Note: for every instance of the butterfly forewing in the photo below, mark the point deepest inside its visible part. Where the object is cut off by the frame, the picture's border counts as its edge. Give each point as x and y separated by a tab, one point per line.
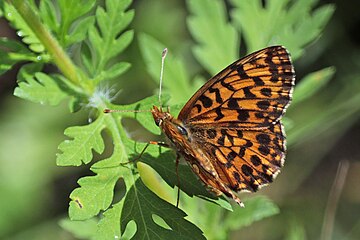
252	91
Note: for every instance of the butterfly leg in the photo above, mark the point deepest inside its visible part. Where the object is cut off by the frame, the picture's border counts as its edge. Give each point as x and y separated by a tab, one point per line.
178	179
138	157
161	144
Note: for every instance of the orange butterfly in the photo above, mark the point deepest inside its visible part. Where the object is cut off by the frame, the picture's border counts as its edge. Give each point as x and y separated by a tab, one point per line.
230	131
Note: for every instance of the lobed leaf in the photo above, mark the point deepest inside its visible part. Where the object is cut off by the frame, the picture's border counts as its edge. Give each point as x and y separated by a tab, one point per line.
109	226
293	24
67	19
80	30
24	31
95	193
40	88
217	40
141	205
47	12
12	52
79	149
106	41
29	70
73	26
80	229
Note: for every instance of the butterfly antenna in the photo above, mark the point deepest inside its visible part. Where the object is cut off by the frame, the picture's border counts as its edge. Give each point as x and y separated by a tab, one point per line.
107	110
163	55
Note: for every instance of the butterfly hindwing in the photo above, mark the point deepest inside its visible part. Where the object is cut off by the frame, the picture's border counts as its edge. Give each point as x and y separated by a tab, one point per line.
244	159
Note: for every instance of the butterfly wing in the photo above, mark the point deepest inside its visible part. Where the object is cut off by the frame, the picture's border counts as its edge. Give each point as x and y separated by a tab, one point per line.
253	91
244	159
235	116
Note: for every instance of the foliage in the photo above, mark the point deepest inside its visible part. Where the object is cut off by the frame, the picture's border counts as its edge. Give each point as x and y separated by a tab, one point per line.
100	34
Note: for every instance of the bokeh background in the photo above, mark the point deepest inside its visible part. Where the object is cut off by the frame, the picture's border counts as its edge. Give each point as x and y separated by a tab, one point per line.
318	190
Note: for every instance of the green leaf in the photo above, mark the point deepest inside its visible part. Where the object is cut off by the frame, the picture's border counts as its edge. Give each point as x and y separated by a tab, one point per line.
79	31
40	88
176	77
293	24
95	193
141	205
72	10
311	84
79	149
114	71
12	52
109	225
217	40
80	229
165	167
71	25
106	41
256	208
28	71
24	31
47	11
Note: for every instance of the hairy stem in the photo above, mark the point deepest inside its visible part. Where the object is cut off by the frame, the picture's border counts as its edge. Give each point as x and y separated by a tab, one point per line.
60	58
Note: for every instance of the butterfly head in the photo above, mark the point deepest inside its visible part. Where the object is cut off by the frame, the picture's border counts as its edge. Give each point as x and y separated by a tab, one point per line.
160	116
173	128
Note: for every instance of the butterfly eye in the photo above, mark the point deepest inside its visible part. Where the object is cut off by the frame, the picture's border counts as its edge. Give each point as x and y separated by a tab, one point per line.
158	121
182	130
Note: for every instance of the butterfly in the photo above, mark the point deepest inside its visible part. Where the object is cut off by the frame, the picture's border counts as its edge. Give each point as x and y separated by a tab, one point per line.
230	132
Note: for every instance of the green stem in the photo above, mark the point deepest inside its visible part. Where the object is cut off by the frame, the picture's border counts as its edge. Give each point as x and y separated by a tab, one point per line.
60	58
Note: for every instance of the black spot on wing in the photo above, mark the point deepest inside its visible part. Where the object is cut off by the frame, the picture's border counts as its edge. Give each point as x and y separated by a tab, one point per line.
206	101
233	104
217	94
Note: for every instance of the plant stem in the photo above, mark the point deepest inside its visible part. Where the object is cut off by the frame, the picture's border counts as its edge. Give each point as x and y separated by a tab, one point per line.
60	58
333	200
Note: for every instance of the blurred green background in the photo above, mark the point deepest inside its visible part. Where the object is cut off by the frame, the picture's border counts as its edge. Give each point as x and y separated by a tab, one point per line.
34	192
